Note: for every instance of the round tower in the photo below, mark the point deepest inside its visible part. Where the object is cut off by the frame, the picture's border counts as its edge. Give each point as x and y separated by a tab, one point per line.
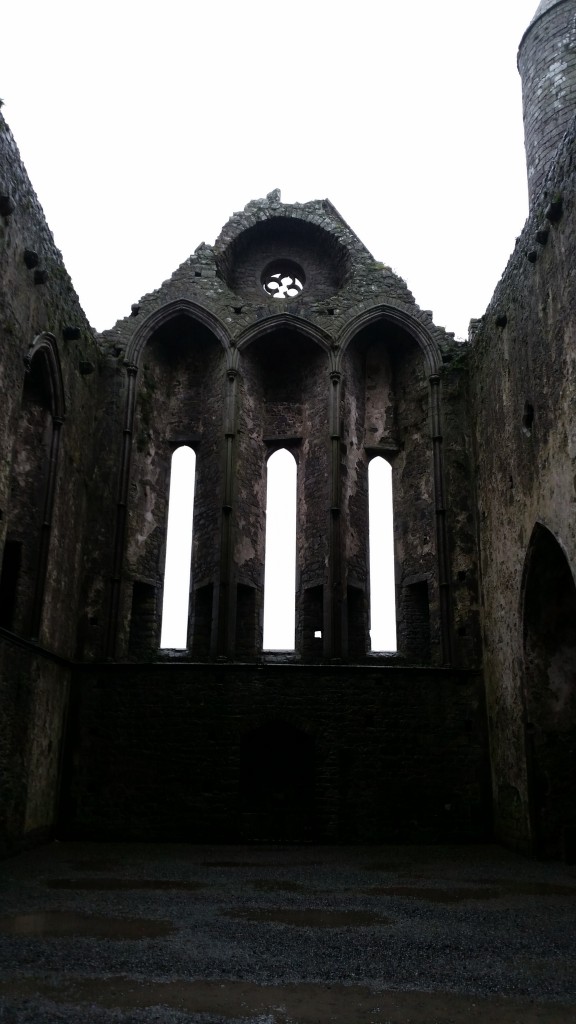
547	66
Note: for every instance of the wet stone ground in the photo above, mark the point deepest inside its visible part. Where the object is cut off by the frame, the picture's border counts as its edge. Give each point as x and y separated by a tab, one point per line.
285	935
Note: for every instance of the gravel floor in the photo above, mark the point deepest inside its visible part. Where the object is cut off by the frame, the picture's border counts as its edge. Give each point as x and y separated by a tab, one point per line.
292	935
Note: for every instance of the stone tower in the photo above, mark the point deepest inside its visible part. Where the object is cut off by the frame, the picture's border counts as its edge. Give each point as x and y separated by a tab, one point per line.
547	66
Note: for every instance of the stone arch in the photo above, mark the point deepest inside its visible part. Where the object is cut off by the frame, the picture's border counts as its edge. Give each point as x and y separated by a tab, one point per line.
394	315
162	316
548	603
161	412
44	347
32	489
283	401
389	362
285	321
316	244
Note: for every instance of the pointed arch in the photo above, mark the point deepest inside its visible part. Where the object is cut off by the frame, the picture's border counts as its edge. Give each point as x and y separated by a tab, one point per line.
162	316
414	335
157	326
44	347
395	315
32	489
285	321
548	602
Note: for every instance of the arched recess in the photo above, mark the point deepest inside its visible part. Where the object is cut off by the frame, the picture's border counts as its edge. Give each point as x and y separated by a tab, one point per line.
176	397
32	488
285	322
399	318
282	403
165	315
549	636
391	407
277	784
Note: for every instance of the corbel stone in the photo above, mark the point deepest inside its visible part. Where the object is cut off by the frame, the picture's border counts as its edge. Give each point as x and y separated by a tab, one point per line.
31	258
7	205
554	210
70	333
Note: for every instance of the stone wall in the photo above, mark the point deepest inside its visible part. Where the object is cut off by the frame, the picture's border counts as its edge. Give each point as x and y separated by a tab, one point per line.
34	695
48	373
272	753
523	379
39	302
346	370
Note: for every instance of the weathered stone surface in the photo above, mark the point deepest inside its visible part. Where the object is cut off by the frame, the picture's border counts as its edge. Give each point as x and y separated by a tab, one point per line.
287	333
547	65
522	389
374	771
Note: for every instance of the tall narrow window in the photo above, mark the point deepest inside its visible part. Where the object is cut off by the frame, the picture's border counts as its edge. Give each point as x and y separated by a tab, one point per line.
280	565
381	524
178	550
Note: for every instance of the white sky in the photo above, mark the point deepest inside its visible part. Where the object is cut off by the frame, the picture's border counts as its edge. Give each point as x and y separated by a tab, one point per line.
145	126
280	547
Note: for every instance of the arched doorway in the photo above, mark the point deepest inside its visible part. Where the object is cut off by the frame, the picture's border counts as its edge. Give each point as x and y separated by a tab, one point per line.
549	624
277	785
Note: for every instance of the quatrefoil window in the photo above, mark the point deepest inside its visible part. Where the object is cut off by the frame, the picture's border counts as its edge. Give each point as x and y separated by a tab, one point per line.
283	280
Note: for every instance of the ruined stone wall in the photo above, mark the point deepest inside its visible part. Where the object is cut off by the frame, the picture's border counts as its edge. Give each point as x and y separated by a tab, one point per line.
180	395
461	509
37	296
283	397
212	361
101	508
46	448
523	378
284	392
34	693
160	752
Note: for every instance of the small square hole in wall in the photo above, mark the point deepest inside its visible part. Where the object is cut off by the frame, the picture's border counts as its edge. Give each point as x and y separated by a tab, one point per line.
317	634
197	273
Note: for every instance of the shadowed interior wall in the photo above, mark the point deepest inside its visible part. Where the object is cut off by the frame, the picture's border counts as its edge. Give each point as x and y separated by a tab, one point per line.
176	746
179	402
283	403
550	694
386	410
220	740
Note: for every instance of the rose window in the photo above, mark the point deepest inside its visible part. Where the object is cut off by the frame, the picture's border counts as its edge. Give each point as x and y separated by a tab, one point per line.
283	280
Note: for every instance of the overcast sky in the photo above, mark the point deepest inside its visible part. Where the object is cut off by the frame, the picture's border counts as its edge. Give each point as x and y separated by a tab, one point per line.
145	126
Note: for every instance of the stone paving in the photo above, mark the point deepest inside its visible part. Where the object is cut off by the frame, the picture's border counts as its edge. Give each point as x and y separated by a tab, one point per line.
285	935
